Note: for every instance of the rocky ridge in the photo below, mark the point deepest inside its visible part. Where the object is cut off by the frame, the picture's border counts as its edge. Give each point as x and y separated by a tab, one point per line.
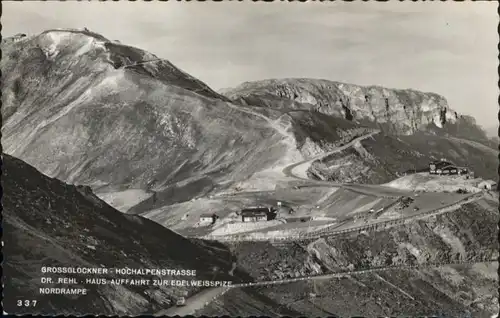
400	111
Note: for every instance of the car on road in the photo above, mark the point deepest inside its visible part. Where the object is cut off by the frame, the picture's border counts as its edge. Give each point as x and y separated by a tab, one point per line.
180	302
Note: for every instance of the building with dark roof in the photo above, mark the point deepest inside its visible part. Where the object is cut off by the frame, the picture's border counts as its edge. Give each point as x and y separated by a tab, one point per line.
257	214
436	166
446	168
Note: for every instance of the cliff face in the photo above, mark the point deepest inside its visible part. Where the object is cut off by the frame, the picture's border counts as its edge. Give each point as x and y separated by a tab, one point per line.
396	110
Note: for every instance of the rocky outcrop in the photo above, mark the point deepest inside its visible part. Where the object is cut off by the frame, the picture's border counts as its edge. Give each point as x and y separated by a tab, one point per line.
401	111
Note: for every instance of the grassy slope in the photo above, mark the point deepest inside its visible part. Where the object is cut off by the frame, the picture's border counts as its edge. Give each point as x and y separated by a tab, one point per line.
50	223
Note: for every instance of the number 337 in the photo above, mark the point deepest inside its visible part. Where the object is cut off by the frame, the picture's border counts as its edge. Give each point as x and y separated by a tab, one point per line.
26	303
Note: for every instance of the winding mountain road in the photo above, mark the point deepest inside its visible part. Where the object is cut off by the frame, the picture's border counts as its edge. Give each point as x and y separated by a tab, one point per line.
203	298
297	170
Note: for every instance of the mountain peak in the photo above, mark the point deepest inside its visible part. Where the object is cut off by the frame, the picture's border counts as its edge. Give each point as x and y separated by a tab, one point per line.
80	50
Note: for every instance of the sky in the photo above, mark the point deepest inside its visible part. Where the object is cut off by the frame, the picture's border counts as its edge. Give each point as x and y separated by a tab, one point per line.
449	48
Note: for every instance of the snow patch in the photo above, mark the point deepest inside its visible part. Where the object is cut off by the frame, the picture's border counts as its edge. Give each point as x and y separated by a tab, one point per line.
307	98
58	37
113	81
89	44
55	41
425	107
80	42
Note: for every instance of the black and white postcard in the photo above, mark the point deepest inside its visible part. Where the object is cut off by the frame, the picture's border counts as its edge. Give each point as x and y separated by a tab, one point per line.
245	158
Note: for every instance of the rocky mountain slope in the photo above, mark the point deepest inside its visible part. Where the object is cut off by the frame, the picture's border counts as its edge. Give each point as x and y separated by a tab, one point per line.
80	108
467	235
142	133
407	119
49	223
147	137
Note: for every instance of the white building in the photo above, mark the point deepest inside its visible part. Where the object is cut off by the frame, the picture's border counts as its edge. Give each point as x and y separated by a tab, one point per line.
206	218
487	185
